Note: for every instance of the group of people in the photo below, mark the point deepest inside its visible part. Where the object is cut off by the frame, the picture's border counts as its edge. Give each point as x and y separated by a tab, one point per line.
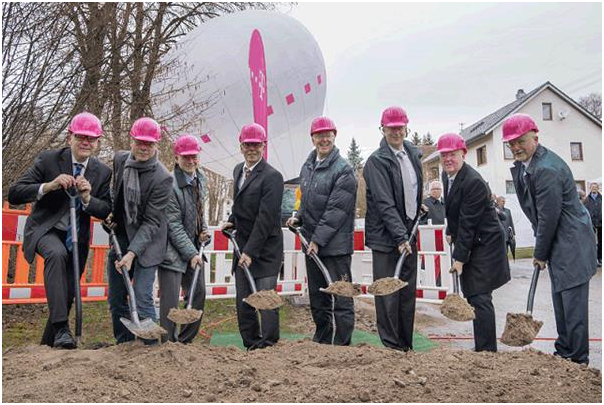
159	221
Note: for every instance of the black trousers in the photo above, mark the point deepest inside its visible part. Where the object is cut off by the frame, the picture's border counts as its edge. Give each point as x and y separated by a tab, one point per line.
396	312
485	334
598	230
321	303
58	279
170	283
570	310
256	334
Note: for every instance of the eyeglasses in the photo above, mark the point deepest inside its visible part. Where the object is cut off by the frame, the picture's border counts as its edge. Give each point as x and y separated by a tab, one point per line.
323	135
149	144
252	145
84	138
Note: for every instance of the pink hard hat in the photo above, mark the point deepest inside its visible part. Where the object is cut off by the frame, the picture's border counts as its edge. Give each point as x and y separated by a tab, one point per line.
450	142
518	125
87	124
322	124
253	133
146	129
394	117
186	145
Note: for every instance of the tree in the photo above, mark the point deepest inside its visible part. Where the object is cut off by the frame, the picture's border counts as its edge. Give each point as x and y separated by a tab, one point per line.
415	139
592	103
354	155
427	139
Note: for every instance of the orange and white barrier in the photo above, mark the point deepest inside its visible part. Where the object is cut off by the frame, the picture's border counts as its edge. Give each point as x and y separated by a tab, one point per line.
22	283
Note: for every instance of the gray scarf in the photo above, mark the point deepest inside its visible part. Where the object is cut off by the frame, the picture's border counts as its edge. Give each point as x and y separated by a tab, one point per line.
132	190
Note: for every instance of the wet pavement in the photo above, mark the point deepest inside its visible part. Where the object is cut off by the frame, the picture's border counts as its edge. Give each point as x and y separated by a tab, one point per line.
512	298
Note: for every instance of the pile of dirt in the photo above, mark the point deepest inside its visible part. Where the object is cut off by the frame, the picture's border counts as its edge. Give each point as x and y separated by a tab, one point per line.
344	288
300	371
265	299
386	285
457	308
520	329
184	316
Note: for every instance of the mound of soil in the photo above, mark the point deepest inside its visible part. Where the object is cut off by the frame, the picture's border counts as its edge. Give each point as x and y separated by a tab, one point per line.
265	299
386	285
457	308
520	329
344	288
300	371
183	316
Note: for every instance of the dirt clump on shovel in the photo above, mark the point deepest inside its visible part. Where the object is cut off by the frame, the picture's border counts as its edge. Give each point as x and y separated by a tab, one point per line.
343	288
265	299
386	285
155	333
183	316
520	329
457	308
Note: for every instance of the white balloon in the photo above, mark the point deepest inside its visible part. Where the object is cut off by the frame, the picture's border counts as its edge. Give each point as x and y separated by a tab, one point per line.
250	66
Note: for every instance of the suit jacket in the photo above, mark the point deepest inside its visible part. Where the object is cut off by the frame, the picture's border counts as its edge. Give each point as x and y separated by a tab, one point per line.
436	211
561	223
148	238
594	207
476	232
257	218
53	205
508	223
386	224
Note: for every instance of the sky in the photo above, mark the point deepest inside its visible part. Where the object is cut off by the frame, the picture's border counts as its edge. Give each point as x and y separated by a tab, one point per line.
447	63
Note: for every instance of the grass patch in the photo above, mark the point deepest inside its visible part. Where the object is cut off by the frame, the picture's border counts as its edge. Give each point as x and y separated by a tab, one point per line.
523	253
23	324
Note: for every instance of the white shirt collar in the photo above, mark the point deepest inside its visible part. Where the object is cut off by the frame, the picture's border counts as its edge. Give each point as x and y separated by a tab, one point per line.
250	168
74	161
397	151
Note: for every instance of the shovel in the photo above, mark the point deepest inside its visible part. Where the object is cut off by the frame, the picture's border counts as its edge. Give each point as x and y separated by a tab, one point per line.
454	306
389	285
266	299
190	315
521	329
73	229
145	329
343	288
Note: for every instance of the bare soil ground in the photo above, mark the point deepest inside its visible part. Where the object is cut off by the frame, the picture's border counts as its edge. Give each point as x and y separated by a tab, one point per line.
300	371
292	371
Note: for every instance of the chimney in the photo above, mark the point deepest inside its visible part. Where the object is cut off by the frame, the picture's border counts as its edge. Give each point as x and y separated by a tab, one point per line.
519	94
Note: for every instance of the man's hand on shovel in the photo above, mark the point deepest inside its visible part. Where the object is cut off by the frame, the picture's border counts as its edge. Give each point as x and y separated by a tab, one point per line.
195	260
405	247
542	264
245	259
126	261
313	247
458	267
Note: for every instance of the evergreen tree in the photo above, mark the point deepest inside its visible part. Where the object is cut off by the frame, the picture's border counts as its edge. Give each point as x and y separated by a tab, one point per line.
354	155
415	139
427	139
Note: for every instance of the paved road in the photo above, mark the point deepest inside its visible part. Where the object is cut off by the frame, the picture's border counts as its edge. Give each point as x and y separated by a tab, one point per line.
512	298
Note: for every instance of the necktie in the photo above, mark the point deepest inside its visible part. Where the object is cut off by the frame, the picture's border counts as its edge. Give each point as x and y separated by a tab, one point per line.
410	196
521	176
68	243
198	206
247	172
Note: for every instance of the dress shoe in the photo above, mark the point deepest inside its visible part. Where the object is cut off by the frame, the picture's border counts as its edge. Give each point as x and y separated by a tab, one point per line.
64	340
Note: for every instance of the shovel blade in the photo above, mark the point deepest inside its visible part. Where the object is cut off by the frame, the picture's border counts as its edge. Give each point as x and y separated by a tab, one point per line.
386	286
146	329
520	329
184	316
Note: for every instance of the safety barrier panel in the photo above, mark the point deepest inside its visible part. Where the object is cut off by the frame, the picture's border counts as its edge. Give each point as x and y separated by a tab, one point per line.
22	283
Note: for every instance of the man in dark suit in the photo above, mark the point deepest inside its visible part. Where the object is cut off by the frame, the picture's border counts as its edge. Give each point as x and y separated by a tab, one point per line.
435	204
547	194
47	230
393	175
506	221
593	203
256	216
141	191
479	251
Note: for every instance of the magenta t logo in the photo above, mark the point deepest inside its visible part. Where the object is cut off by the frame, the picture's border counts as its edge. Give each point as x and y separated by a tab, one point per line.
257	65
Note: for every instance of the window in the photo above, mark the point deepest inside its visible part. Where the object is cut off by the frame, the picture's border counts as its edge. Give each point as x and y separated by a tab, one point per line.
507	152
481	155
580	184
547	111
576	151
509	187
